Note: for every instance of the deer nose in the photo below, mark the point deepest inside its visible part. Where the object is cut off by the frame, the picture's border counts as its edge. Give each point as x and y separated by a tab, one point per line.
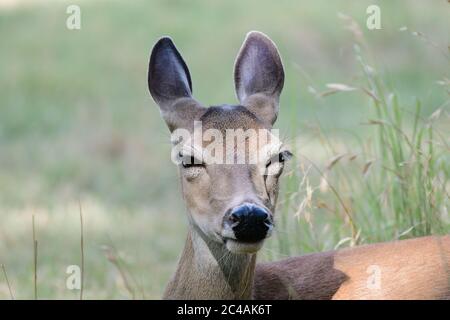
250	223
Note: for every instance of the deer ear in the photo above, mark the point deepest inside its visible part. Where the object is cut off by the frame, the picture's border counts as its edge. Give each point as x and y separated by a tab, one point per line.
170	84
259	76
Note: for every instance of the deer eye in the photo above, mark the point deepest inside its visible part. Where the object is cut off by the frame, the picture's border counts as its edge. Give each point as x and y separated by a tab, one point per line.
280	158
284	156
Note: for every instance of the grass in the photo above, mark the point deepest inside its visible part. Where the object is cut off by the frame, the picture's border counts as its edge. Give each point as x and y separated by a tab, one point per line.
368	125
393	184
35	260
81	252
7	281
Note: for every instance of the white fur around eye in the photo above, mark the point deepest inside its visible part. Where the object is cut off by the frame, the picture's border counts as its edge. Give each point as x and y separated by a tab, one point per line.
274	168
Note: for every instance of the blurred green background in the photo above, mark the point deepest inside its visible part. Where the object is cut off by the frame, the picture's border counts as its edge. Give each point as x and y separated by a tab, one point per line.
77	123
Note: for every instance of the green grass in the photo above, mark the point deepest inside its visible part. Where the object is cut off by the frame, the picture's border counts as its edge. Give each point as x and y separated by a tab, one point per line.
390	184
77	124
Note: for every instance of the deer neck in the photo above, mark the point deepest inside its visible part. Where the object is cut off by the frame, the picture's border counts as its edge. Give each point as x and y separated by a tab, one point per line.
207	270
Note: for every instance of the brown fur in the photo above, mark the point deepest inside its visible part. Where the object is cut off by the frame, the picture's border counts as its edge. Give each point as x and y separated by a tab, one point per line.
208	271
409	269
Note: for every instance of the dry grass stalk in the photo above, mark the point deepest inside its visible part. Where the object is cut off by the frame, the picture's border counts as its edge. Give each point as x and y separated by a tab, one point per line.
82	250
7	281
35	259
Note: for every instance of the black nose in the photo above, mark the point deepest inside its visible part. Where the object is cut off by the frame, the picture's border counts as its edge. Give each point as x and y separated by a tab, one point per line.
250	222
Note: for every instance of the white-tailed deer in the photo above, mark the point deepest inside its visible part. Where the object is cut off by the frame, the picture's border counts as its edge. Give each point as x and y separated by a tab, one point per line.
231	205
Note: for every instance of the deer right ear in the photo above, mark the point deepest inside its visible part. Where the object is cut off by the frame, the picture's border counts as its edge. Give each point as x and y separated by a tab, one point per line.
170	85
259	76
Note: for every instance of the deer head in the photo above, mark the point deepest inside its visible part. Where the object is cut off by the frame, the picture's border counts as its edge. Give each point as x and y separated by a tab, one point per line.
230	199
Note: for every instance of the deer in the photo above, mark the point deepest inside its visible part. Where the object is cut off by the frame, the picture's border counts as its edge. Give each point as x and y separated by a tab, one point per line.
231	207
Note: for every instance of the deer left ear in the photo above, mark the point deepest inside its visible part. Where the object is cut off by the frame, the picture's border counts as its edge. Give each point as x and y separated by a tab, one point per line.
259	76
168	75
170	85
